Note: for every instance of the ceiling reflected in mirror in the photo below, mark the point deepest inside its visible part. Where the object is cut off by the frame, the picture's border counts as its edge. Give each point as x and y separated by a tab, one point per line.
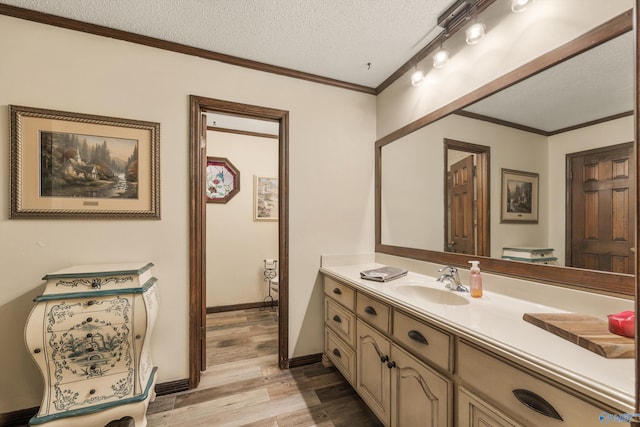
569	94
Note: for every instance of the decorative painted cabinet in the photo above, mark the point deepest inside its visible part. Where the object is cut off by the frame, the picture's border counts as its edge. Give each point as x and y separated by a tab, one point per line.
89	335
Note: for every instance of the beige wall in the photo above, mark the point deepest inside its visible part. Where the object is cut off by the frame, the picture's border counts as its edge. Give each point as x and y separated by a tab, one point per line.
236	244
331	182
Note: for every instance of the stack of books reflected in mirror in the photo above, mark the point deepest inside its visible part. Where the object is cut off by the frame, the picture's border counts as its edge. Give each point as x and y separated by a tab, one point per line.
530	254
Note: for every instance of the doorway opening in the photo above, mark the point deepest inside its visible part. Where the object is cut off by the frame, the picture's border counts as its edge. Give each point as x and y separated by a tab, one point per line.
466	198
197	224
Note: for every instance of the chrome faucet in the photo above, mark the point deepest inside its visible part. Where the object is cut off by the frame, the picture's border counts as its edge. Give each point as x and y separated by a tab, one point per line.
451	279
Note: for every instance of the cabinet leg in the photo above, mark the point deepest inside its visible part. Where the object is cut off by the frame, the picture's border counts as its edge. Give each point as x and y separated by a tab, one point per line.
326	362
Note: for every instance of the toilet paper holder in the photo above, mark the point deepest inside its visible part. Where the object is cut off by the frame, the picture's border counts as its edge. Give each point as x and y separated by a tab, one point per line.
270	272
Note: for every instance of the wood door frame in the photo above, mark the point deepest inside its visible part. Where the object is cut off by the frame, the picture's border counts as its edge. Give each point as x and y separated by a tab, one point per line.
483	178
197	224
568	245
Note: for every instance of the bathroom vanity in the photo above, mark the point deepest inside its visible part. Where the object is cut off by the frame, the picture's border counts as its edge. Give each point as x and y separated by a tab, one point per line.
419	354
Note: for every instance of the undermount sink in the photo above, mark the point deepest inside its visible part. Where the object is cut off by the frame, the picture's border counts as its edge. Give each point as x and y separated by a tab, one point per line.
431	295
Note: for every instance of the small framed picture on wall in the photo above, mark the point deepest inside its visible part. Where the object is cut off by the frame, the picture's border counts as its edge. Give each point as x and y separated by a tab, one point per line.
223	180
265	200
519	201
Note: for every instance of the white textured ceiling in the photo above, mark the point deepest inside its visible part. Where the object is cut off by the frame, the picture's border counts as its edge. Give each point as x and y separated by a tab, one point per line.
330	38
338	38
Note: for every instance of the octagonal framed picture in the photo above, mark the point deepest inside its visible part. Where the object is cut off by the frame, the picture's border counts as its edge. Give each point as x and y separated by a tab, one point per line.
222	180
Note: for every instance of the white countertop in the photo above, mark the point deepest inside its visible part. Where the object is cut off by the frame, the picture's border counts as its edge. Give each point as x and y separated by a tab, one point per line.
495	321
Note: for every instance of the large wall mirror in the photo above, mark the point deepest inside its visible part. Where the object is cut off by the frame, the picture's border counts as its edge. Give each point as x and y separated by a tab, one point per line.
564	134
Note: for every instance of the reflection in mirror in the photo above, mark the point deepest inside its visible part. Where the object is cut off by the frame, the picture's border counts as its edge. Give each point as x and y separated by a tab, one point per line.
581	104
466	198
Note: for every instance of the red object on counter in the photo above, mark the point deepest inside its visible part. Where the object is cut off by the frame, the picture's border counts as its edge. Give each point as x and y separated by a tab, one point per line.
623	323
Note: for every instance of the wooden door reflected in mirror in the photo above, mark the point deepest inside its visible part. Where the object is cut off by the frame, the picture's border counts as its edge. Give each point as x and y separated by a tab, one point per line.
466	198
600	209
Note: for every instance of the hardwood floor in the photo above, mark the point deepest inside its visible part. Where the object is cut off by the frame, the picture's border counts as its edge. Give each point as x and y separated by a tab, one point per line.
243	385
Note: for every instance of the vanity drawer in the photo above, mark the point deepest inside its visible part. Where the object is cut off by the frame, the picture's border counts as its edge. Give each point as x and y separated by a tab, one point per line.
374	312
424	341
473	411
340	355
340	320
498	382
339	292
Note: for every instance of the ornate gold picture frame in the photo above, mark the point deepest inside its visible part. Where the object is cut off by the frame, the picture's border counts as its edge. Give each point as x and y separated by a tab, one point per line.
72	165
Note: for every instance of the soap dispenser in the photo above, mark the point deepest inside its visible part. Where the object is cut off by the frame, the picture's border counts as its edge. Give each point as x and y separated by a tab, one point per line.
475	280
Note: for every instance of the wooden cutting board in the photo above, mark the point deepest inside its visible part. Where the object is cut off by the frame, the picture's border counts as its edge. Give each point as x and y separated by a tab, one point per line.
586	331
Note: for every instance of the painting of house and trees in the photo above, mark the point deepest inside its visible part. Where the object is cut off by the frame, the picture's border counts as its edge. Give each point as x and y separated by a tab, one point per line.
77	165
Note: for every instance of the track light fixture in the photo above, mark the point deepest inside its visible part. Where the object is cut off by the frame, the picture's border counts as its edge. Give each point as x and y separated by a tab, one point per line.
417	78
518	6
441	57
455	18
475	33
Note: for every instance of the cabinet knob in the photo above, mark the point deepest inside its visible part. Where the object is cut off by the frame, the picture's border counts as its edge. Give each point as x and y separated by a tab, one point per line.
91	302
337	352
337	291
138	336
89	335
370	310
391	365
92	391
37	350
536	403
417	337
337	319
384	359
89	319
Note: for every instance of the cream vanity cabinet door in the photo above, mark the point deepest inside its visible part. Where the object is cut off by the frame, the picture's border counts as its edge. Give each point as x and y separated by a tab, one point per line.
373	374
518	395
419	395
474	411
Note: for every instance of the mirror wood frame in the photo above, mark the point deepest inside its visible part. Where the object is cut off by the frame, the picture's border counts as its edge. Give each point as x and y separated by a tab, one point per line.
589	280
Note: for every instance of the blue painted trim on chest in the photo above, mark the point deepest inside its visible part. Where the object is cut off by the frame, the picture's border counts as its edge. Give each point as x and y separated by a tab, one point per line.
97	408
97	273
92	294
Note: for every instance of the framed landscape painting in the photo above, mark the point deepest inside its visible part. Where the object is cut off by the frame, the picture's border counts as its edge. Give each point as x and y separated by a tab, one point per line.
519	201
73	165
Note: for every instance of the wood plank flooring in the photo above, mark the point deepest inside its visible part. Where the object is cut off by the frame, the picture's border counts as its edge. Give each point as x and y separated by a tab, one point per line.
243	385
